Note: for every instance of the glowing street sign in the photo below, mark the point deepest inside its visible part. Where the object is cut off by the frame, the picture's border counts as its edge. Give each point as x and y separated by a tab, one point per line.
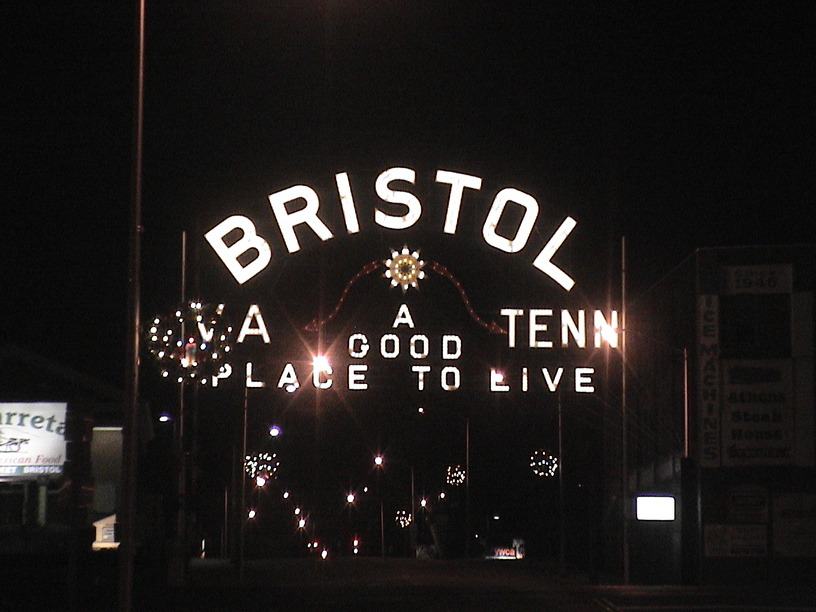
442	359
438	361
246	253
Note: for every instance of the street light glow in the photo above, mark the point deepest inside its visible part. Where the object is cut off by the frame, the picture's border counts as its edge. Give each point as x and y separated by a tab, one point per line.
321	363
608	333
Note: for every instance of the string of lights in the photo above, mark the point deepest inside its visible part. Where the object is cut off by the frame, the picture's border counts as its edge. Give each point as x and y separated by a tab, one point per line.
315	324
405	269
491	326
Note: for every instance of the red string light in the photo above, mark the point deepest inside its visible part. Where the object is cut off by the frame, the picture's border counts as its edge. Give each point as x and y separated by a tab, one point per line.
315	324
491	326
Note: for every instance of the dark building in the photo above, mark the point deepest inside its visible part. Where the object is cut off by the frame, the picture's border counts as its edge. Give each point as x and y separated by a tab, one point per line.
720	402
60	457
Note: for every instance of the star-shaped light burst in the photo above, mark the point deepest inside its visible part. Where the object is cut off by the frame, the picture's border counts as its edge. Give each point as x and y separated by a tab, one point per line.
404	268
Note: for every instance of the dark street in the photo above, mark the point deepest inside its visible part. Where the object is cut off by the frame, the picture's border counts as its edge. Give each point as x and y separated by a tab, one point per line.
369	583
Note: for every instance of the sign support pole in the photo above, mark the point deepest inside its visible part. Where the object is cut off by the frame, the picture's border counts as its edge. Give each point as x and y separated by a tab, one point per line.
624	433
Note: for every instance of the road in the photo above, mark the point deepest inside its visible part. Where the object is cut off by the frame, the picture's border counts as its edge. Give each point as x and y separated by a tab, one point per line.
369	584
381	584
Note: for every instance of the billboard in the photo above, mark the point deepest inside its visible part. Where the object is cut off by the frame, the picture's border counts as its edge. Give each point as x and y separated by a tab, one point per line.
32	439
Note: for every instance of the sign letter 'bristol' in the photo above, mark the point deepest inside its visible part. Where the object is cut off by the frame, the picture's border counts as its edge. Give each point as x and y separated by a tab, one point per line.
237	253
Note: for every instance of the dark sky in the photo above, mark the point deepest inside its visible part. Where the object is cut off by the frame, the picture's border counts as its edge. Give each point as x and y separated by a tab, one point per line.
677	127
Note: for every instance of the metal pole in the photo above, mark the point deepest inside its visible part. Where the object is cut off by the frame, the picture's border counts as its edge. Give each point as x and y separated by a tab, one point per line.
624	438
225	527
129	424
562	535
42	501
414	523
685	405
180	553
382	529
242	509
382	521
467	488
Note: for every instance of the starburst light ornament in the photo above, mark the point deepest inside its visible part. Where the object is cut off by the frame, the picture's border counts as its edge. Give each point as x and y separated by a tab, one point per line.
404	268
543	464
456	475
262	464
191	345
403	518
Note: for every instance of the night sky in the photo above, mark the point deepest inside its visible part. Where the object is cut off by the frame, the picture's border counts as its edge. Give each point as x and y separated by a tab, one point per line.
678	128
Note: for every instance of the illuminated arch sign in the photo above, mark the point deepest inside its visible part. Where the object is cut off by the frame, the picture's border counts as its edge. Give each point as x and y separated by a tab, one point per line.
245	253
526	345
437	361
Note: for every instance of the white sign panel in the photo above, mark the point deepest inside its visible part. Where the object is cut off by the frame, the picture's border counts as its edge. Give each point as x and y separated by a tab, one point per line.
655	508
32	439
758	279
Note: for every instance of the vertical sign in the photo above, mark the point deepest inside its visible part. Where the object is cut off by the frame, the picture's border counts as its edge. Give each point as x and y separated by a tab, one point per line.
708	380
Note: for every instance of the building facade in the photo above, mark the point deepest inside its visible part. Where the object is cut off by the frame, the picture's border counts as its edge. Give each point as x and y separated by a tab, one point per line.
720	355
